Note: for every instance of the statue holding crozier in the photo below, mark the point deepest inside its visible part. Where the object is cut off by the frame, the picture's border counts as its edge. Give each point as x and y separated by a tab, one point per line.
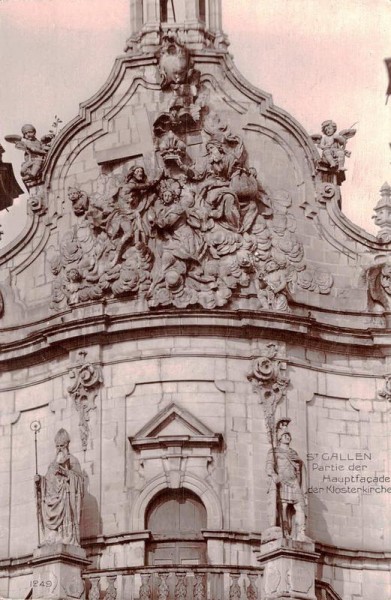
59	495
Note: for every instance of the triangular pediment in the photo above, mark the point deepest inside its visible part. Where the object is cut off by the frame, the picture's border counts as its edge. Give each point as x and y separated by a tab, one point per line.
172	426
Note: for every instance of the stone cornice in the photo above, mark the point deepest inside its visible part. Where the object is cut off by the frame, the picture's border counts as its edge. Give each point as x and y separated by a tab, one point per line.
353	559
105	323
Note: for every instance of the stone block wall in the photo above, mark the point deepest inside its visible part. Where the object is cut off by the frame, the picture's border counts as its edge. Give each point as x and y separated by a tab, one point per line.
337	417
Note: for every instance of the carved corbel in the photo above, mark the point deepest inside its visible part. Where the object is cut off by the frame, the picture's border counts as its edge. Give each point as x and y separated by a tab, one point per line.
87	379
268	379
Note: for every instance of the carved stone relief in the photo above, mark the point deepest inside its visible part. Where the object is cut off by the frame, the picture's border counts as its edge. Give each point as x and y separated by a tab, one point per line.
87	379
202	231
385	393
300	578
379	286
272	579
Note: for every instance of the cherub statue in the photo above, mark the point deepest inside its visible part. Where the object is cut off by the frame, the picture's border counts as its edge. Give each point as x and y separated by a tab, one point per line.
332	145
35	152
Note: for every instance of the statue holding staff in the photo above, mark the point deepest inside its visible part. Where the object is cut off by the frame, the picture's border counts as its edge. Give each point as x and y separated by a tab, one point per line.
59	495
287	500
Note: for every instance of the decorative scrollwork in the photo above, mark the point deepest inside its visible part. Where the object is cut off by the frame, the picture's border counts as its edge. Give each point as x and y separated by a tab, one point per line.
87	380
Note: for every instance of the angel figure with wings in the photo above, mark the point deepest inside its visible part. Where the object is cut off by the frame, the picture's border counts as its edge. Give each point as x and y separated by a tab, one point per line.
333	145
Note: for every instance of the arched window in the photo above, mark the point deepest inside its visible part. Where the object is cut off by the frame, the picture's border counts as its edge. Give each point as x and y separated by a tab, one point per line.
175	519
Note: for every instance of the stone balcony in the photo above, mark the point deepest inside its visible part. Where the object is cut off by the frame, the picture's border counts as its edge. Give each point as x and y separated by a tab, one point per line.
175	583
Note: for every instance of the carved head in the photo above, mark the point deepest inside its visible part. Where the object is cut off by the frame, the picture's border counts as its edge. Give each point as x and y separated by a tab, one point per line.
56	264
284	437
329	127
215	149
167	197
29	131
271	266
62	441
73	275
79	200
174	62
137	174
385	279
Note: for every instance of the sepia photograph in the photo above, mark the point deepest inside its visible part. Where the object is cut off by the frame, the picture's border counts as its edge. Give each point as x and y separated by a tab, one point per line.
195	300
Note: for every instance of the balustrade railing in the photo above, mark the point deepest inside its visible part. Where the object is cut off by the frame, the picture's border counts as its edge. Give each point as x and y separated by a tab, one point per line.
175	583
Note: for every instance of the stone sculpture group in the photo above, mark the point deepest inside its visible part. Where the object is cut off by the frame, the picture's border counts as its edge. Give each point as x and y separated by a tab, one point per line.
197	232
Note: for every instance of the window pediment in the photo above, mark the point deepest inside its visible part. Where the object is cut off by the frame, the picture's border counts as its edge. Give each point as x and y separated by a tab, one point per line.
174	426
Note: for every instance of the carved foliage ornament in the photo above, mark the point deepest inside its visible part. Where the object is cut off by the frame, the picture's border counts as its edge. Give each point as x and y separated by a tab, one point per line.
87	379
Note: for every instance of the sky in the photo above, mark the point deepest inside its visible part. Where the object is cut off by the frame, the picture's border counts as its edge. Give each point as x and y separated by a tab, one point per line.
320	59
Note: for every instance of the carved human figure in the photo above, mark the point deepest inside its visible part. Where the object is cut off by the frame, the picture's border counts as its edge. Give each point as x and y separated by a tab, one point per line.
217	201
131	200
385	279
285	471
382	216
79	200
272	287
59	495
332	145
35	152
179	242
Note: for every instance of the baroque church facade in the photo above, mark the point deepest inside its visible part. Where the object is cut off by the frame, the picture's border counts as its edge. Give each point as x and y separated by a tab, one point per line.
195	375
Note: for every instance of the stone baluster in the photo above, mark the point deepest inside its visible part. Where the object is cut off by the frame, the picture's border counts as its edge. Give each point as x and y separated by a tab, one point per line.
94	593
111	592
163	590
199	587
180	587
251	589
234	590
145	592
